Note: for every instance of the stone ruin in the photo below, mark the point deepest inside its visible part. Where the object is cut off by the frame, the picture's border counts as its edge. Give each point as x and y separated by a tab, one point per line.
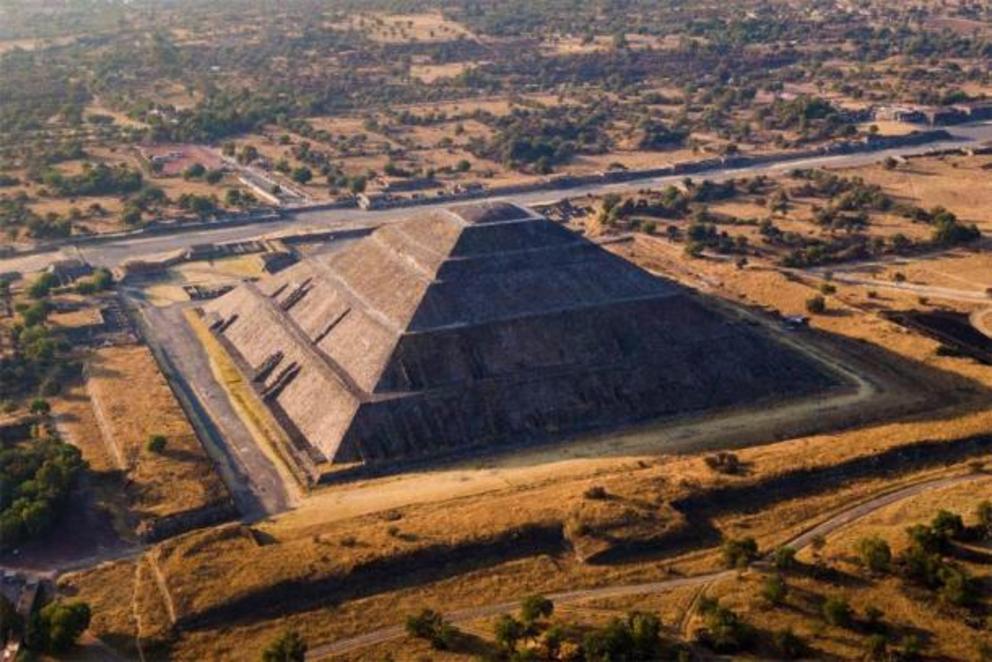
482	327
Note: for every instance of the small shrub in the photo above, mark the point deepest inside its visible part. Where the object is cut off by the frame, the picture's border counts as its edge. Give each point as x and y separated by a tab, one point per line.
877	647
288	647
784	558
595	492
156	444
788	644
774	590
837	612
875	554
430	625
816	304
724	462
40	406
738	553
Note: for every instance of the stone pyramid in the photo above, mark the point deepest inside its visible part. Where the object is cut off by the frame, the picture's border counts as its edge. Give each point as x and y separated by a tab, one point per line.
485	326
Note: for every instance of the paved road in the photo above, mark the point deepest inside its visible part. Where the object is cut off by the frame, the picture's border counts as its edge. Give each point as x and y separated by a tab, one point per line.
112	253
254	481
838	521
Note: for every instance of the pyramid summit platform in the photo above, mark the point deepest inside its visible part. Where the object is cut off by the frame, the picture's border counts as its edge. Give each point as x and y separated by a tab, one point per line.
482	327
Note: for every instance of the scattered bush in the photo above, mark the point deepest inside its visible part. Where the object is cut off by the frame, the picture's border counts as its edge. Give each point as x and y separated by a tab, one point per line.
774	589
724	631
816	304
56	626
784	558
595	492
837	612
875	554
156	444
288	647
429	625
724	462
739	553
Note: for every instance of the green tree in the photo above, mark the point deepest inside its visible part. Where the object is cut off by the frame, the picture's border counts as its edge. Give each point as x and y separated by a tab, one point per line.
195	171
508	631
816	304
156	444
57	626
784	558
10	621
877	647
534	608
739	552
947	525
788	644
288	647
774	589
40	406
430	625
42	285
983	513
724	631
302	175
836	611
874	554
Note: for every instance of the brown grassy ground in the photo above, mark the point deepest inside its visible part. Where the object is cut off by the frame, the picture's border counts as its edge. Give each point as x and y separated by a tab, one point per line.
338	529
907	609
134	402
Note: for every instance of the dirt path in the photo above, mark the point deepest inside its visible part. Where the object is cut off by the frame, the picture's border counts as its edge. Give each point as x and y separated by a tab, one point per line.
827	527
579	458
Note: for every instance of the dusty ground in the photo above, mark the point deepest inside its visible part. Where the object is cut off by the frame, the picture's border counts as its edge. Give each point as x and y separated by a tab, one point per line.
133	402
911	394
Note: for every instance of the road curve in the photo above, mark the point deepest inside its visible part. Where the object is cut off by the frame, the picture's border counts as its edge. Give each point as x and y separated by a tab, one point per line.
803	540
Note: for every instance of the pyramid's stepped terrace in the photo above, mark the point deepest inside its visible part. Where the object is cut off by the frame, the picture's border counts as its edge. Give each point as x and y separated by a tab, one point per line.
486	326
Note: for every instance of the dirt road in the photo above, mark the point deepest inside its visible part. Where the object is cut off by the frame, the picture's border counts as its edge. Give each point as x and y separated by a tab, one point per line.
823	529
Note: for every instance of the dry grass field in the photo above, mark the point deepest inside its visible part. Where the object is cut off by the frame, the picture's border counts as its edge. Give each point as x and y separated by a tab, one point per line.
133	402
405	28
324	568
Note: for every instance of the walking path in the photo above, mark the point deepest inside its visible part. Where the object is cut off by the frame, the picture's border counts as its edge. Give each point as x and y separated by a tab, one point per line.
833	524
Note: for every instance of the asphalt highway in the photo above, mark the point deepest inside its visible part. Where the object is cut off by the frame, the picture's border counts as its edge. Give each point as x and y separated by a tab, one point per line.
113	252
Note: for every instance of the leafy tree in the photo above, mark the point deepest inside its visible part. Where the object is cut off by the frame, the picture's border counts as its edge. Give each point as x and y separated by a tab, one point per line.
816	304
877	647
635	638
11	623
156	444
42	285
430	625
302	175
288	647
957	588
725	631
784	558
774	589
837	612
739	553
40	406
508	631
788	644
57	626
534	608
947	525
983	513
195	171
875	554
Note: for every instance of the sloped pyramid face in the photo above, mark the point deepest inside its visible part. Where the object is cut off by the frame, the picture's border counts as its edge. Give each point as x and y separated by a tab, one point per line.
485	326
